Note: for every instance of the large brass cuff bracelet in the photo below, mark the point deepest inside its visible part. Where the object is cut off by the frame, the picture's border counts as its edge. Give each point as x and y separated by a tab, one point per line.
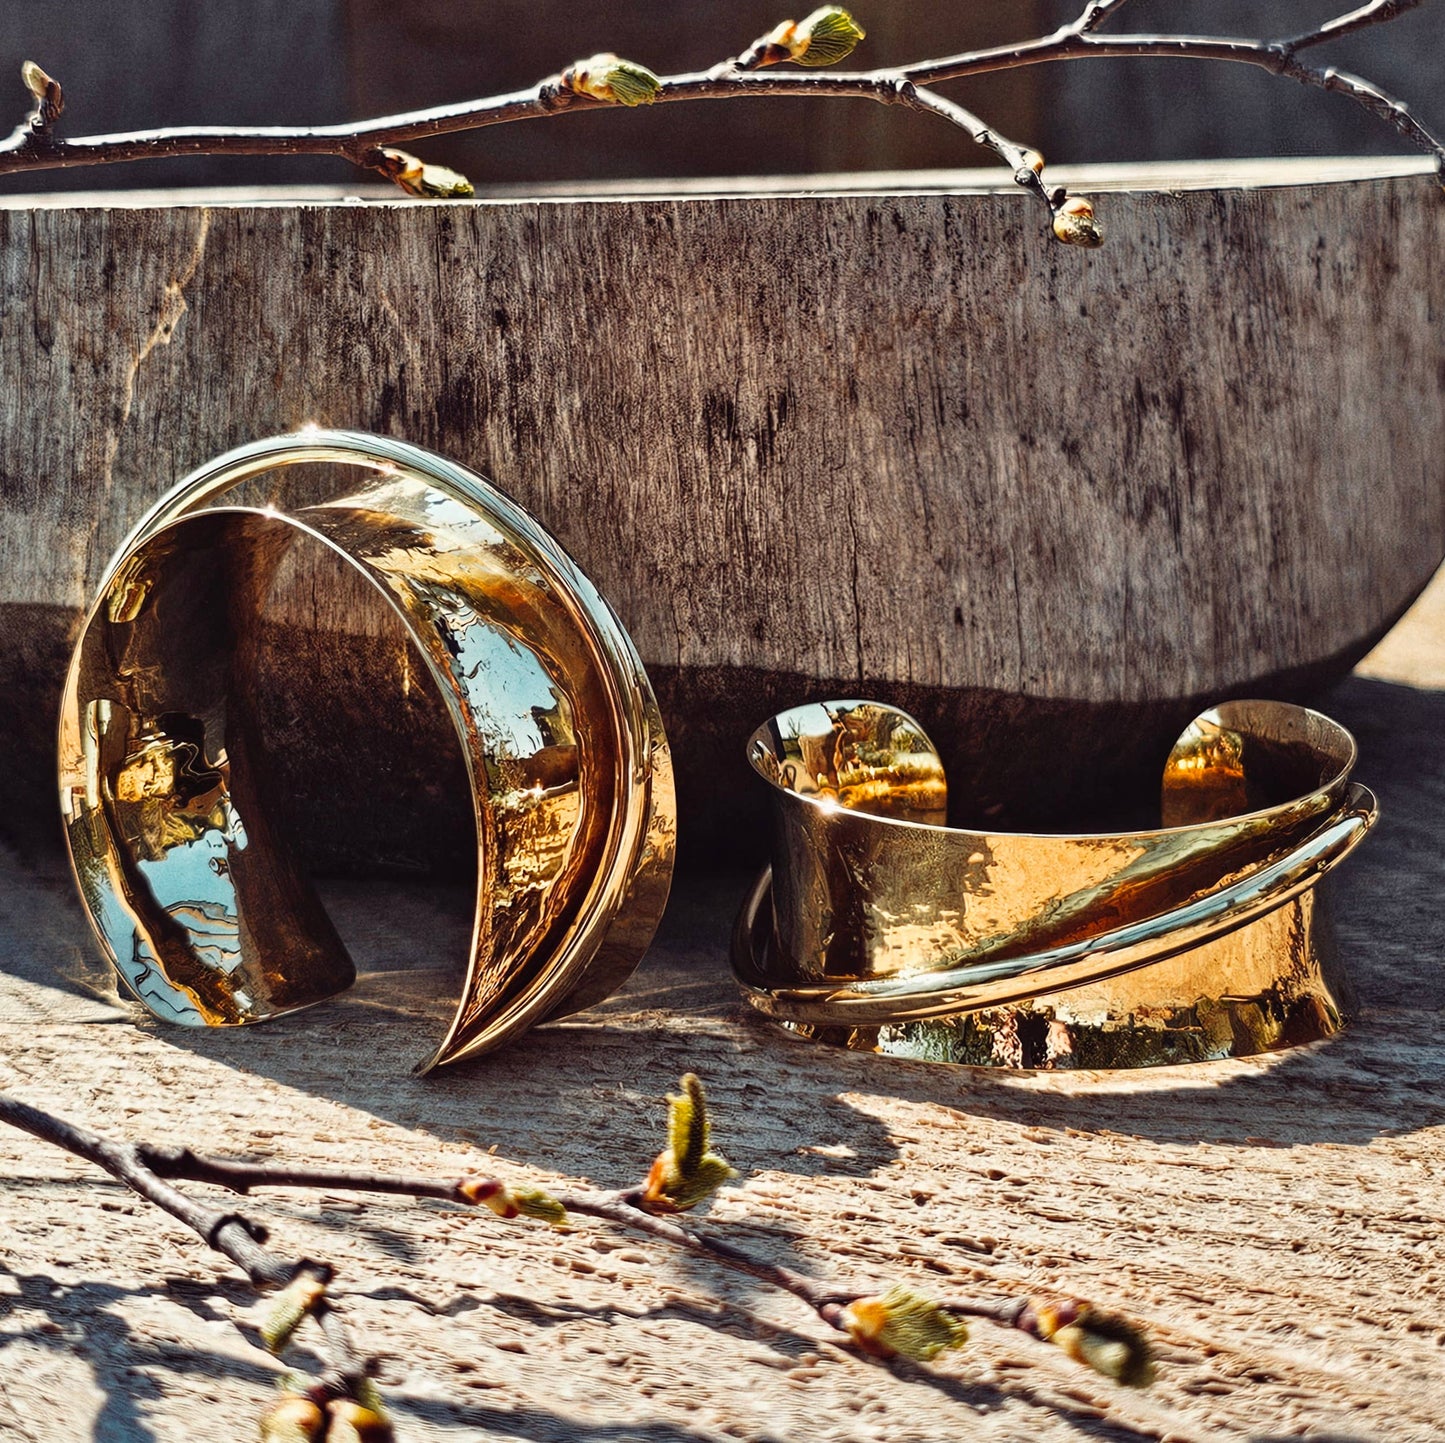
195	892
880	927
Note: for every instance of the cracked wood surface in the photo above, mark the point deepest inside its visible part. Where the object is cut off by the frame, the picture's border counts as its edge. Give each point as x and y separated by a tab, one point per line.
1275	1221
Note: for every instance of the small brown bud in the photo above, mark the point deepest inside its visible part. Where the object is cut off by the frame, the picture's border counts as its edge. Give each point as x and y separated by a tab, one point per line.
37	82
420	178
351	1422
292	1420
46	90
1074	224
1105	1342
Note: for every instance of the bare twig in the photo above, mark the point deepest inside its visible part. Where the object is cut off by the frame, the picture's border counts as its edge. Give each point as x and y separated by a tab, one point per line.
1096	13
684	1175
1375	13
372	143
861	1316
238	1237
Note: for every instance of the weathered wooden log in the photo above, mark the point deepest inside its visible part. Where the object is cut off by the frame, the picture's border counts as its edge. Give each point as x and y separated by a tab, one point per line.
854	443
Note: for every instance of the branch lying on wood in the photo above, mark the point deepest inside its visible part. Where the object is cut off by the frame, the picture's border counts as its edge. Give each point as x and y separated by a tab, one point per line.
344	1389
824	37
687	1173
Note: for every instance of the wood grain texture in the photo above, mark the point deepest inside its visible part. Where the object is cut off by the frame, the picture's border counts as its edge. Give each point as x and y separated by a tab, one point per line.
898	445
1273	1220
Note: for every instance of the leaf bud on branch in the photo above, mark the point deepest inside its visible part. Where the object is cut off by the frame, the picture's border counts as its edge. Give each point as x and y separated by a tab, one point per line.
296	1302
903	1323
49	98
1105	1342
507	1202
686	1172
1074	224
825	37
608	78
421	178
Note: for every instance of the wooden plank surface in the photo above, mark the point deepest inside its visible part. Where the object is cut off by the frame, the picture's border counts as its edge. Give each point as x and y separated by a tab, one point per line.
1275	1221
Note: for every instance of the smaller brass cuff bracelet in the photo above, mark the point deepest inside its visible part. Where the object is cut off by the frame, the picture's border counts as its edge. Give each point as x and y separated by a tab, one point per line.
198	898
881	928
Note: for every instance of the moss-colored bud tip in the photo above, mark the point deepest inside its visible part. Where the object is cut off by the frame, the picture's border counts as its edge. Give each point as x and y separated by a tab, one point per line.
610	78
687	1172
688	1127
903	1323
670	1190
532	1202
825	37
1074	224
633	84
292	1305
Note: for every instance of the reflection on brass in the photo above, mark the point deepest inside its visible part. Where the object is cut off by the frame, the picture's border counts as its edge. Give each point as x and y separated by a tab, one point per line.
880	927
163	777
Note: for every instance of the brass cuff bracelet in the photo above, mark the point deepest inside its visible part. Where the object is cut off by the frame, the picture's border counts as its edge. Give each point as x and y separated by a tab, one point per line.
199	900
881	928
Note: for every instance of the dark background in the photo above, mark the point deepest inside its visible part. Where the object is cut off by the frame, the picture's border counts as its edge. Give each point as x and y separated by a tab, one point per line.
164	62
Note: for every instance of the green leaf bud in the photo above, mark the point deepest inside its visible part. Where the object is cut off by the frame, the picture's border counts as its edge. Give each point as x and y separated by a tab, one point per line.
608	77
903	1323
825	37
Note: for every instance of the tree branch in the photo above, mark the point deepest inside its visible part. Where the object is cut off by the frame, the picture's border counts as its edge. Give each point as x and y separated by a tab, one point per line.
829	32
228	1232
684	1175
636	1210
1375	13
1097	13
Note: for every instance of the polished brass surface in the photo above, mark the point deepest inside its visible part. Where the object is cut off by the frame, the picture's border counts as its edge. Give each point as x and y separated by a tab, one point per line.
879	926
197	897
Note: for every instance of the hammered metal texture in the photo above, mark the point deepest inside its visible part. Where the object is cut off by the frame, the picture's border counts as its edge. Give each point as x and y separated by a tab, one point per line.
197	896
881	927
